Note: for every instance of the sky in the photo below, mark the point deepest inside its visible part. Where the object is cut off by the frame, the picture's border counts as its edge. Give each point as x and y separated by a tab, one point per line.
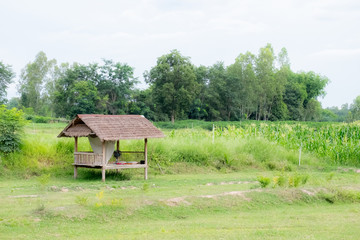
320	35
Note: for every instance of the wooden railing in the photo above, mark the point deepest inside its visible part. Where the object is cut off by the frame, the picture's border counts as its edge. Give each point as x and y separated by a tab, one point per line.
88	158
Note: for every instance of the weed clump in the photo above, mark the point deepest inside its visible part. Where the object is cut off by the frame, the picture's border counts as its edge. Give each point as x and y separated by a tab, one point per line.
82	201
264	181
294	180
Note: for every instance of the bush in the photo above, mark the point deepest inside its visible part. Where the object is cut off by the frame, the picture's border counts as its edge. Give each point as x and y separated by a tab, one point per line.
11	126
264	181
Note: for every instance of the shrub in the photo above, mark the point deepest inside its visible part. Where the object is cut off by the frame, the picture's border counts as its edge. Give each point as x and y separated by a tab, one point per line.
11	126
264	181
82	201
282	181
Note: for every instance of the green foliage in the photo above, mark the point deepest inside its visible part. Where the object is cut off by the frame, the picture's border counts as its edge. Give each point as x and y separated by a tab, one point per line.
337	143
173	83
145	187
256	86
82	200
264	181
6	76
33	80
355	109
44	179
290	180
84	95
330	176
93	88
335	195
11	126
233	201
280	180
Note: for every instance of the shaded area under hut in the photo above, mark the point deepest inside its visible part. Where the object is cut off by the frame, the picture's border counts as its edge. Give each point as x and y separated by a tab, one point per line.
103	131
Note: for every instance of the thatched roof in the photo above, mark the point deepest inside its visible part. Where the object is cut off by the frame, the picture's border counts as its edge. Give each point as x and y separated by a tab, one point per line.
111	127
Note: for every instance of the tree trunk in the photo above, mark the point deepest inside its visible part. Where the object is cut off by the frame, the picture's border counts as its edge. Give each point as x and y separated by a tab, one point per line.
172	117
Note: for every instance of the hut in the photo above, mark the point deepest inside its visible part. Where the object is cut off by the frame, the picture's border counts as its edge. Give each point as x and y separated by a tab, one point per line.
103	131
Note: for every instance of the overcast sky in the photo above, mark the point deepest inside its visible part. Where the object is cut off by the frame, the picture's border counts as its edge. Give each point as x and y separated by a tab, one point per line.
321	36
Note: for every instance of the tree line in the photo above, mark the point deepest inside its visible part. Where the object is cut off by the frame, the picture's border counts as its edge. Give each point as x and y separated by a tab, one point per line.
258	86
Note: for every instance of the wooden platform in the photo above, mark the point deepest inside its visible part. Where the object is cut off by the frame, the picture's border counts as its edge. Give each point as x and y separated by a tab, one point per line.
98	160
111	166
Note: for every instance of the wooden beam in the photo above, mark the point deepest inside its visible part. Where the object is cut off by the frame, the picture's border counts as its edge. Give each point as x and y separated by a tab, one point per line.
117	145
103	163
75	150
146	162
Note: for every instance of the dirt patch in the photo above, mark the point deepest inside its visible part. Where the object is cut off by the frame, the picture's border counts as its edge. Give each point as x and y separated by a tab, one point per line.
130	187
343	169
232	193
59	208
230	183
308	192
182	200
24	196
110	188
172	202
54	188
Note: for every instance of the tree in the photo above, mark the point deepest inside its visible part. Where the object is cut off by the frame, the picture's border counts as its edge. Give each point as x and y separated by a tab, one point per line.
268	85
339	115
294	97
84	97
6	76
243	74
174	85
313	110
355	109
199	107
116	81
222	93
72	80
141	103
282	75
11	125
32	82
114	84
13	103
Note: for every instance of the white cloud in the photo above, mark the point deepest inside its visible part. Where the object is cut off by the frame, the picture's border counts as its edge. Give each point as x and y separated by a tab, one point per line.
337	53
137	32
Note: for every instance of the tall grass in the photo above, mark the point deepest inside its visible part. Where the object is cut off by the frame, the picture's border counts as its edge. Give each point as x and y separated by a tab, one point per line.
196	147
338	143
263	146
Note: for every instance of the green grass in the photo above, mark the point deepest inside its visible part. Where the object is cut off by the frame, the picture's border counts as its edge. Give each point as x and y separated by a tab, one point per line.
190	206
239	186
337	142
42	152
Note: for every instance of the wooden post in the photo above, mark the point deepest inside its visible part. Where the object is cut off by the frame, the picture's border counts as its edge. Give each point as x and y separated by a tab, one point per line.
76	144
75	150
75	171
146	163
117	149
103	162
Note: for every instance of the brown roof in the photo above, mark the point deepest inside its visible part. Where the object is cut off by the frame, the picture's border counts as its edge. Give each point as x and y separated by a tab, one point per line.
111	127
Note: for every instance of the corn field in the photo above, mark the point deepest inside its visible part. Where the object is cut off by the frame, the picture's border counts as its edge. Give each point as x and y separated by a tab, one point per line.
338	143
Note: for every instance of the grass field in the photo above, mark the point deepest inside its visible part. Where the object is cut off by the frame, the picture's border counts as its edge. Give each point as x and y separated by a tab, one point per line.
236	187
215	206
